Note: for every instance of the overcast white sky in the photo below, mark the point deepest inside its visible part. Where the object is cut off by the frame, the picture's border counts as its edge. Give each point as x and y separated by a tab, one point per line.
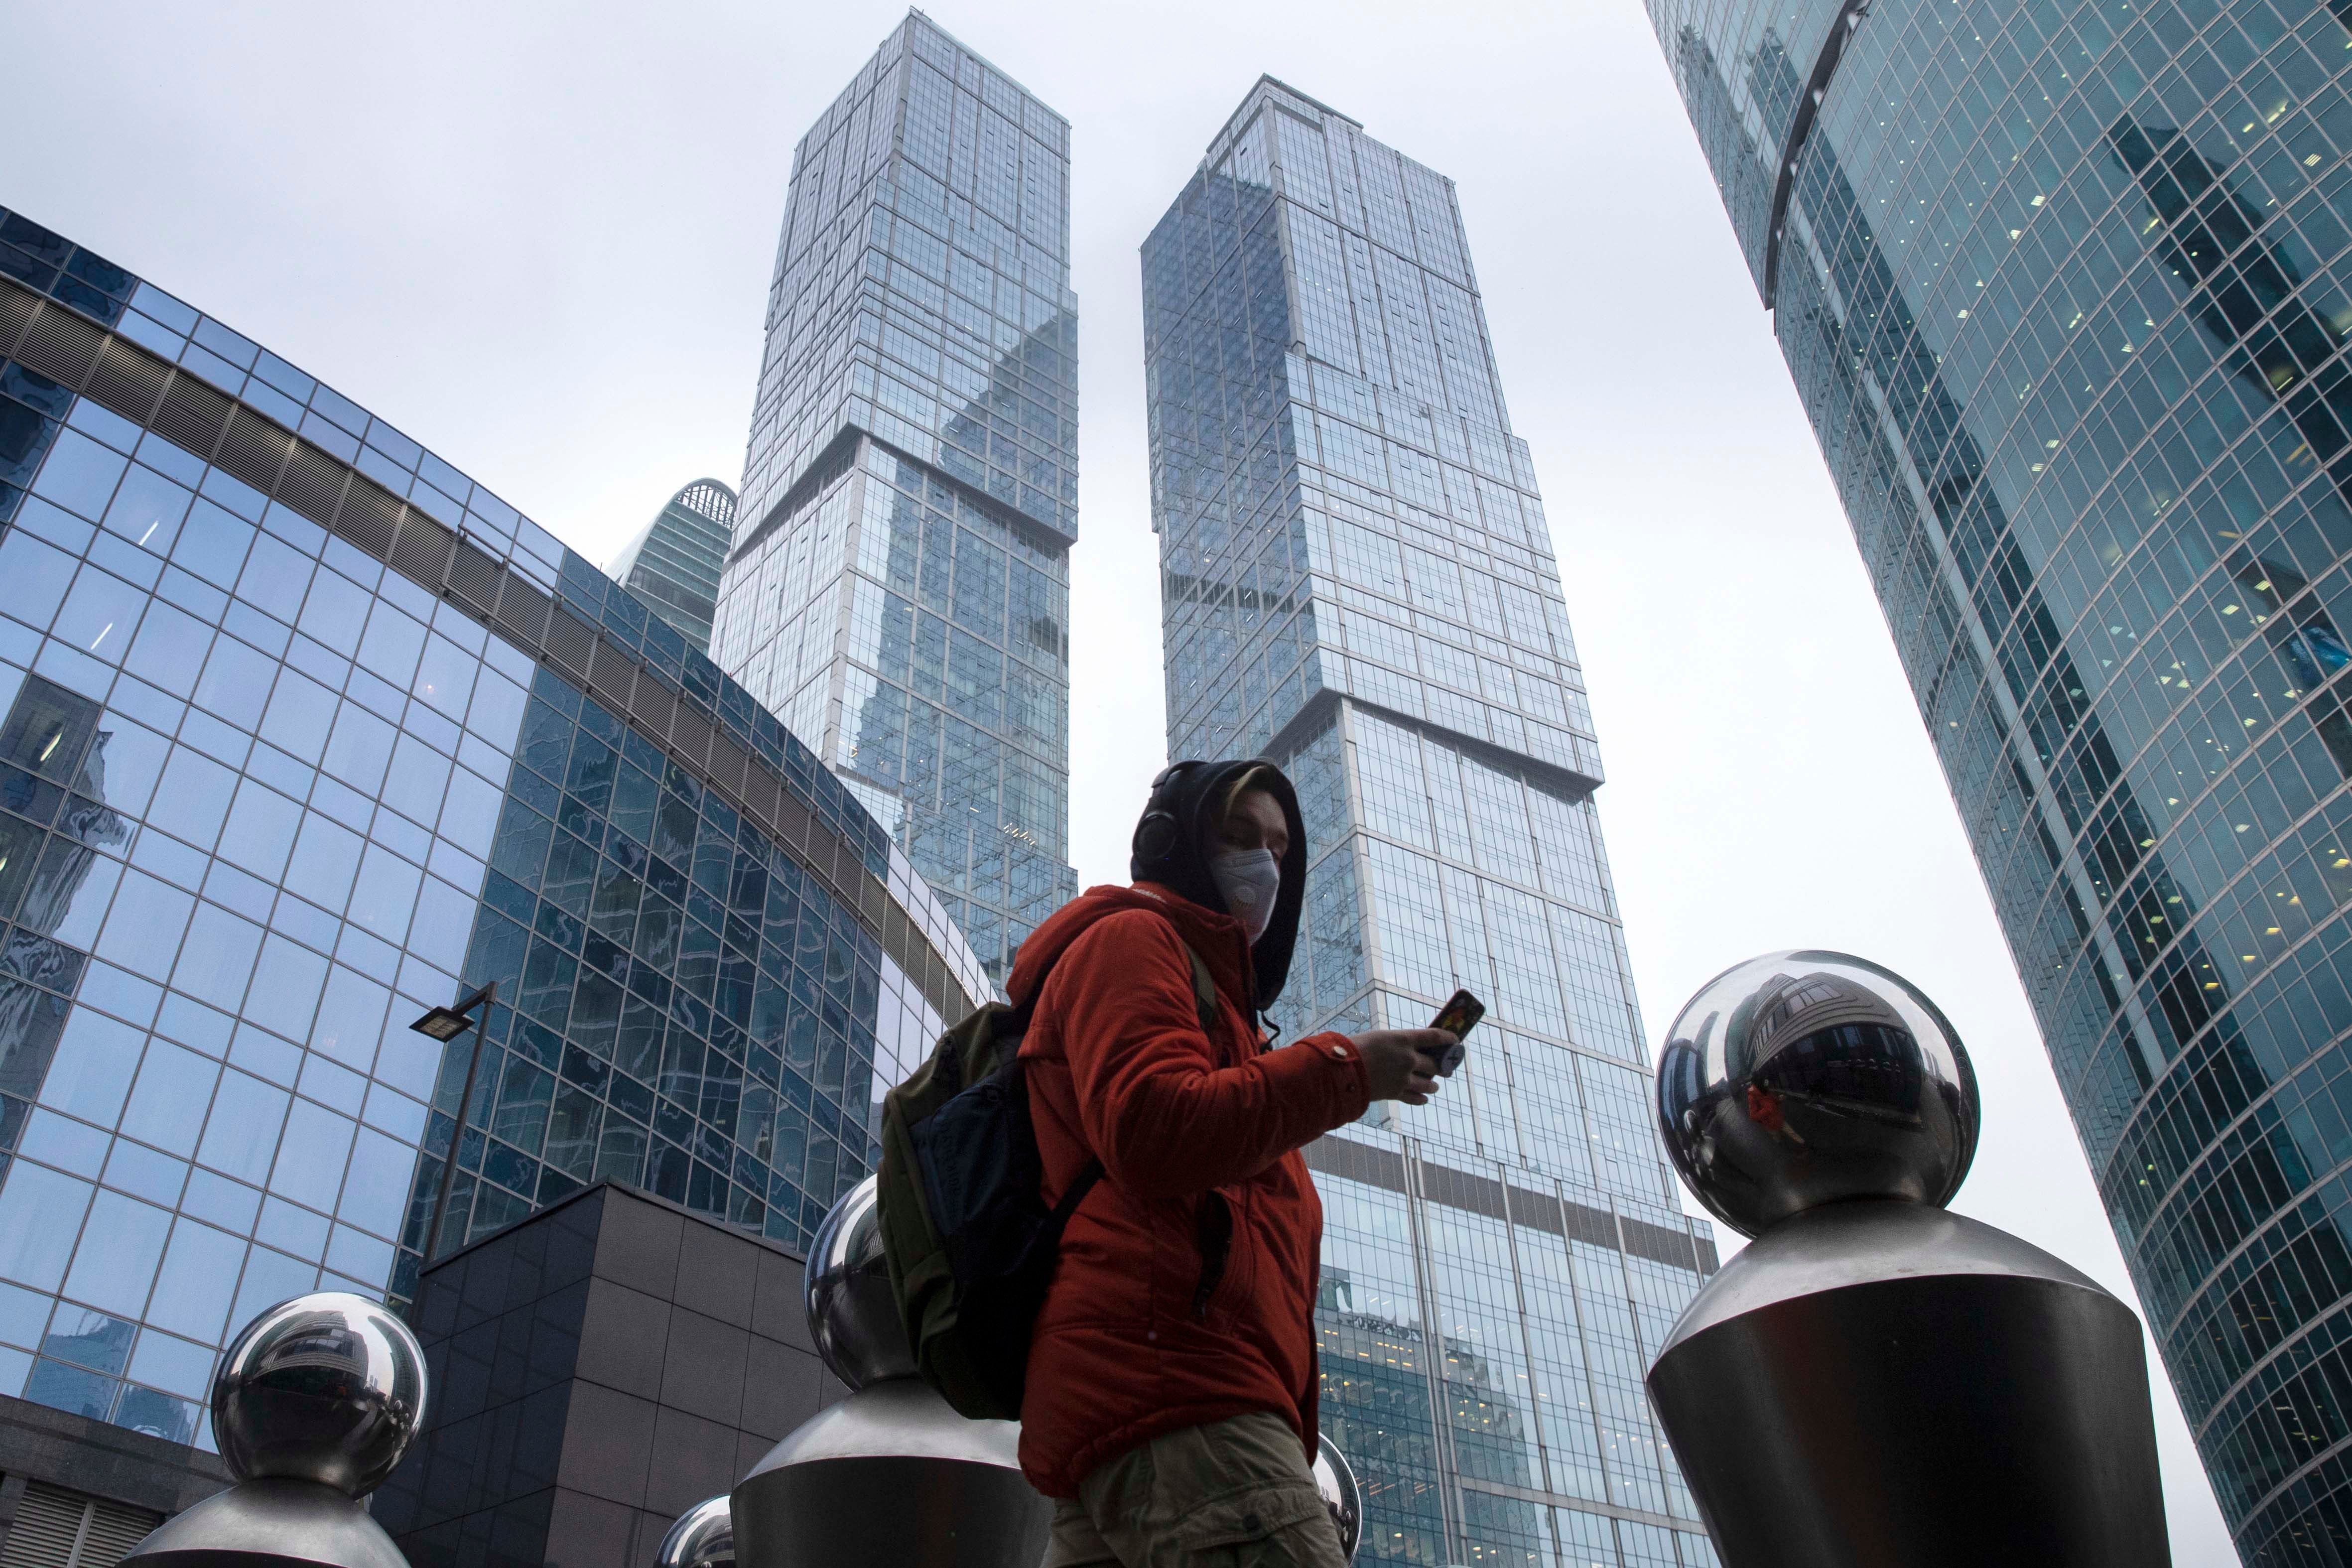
538	237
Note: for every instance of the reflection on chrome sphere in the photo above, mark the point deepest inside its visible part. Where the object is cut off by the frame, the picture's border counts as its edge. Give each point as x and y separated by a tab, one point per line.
1801	1078
1336	1479
850	1314
703	1537
328	1388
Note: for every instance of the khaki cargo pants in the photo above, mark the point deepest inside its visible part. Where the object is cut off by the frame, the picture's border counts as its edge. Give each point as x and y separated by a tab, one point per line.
1231	1494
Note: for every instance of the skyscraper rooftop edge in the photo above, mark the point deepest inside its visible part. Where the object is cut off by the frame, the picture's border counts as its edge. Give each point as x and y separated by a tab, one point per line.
1267	80
915	14
698	495
957	39
1270	78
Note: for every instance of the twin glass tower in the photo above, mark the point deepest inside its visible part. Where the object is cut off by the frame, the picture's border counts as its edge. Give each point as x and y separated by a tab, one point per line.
897	589
1358	582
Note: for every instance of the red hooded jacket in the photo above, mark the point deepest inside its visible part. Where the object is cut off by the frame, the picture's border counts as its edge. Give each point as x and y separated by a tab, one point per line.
1128	1346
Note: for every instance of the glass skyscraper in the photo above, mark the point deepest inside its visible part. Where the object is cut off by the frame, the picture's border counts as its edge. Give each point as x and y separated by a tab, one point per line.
898	586
1358	582
2065	290
302	732
674	561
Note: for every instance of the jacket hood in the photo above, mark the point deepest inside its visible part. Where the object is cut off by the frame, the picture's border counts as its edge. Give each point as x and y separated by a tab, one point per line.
1174	839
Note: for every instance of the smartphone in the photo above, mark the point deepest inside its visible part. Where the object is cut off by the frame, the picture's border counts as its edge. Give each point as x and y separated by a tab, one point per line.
1457	1017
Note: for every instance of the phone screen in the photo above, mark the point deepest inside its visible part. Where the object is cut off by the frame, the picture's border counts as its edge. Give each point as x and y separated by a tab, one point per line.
1457	1017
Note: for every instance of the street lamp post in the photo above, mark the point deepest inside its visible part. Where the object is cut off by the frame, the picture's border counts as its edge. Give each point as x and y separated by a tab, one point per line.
444	1025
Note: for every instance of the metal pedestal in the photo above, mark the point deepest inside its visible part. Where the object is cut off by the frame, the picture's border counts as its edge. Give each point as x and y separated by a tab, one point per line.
1874	1383
891	1478
269	1523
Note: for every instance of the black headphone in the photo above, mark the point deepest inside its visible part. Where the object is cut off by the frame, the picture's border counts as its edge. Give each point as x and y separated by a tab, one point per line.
1159	832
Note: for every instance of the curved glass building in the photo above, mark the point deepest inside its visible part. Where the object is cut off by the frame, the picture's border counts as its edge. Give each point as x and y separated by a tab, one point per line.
674	561
302	732
2065	290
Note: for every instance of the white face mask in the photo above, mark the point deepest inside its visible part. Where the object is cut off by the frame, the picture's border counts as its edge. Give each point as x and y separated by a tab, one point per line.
1249	879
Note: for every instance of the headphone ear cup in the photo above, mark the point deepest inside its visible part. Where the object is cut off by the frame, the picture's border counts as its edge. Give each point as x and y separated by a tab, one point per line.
1155	835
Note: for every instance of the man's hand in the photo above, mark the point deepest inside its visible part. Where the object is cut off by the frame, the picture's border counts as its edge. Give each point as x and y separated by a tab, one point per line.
1402	1064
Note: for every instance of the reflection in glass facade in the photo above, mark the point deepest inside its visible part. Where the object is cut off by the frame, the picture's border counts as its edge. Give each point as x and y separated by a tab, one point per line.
1358	581
673	563
301	735
2063	288
899	586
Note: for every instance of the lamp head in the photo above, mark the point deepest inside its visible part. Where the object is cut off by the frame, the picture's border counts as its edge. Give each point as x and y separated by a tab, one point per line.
443	1023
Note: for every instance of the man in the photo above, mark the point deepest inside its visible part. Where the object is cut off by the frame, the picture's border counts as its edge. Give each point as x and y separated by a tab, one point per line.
1170	1402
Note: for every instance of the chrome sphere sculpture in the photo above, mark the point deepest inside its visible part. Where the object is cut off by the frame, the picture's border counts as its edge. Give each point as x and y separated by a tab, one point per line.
703	1537
313	1406
327	1387
891	1476
1875	1379
1802	1078
851	1314
1335	1479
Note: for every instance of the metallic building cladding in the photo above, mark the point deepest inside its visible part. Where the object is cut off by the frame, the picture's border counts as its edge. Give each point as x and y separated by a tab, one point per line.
2064	289
287	755
898	588
1359	581
674	562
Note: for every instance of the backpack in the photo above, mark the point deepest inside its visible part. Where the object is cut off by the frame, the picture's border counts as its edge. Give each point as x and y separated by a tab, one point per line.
967	1236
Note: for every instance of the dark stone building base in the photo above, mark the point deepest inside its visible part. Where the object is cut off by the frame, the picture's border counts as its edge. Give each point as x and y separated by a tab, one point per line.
597	1368
134	1481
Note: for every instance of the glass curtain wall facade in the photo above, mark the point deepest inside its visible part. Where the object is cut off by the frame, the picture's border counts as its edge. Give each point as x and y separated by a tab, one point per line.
2064	291
899	589
301	734
1358	582
674	563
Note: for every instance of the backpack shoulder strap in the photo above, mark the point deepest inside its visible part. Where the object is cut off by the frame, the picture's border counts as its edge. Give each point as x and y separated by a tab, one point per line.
1204	992
1015	1020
